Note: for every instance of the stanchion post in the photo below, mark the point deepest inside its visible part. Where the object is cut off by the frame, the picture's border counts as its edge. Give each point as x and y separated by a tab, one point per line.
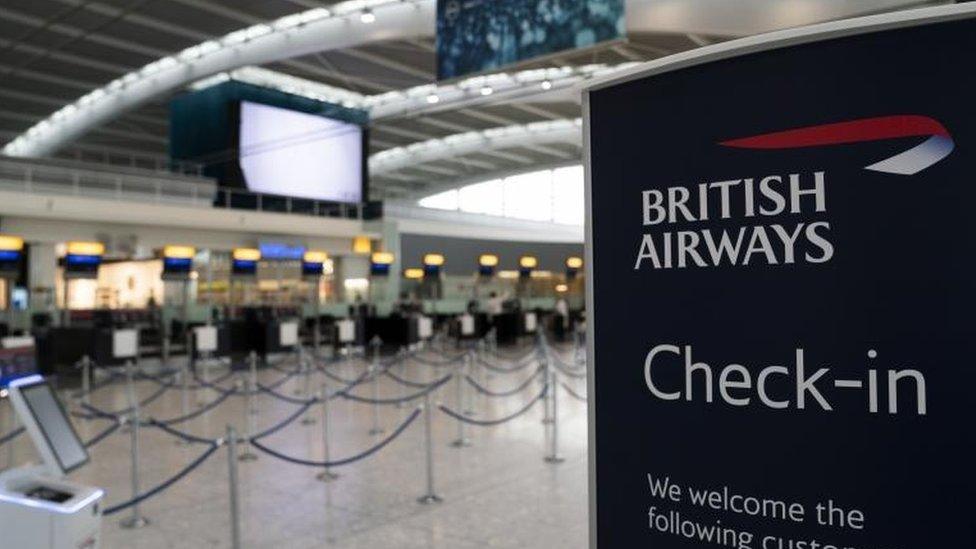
184	397
86	380
430	496
461	441
326	475
205	376
235	507
252	365
546	378
374	371
303	372
135	519
554	456
402	369
248	455
306	383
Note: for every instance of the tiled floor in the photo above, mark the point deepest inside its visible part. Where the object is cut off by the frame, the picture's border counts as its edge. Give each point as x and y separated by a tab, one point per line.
497	493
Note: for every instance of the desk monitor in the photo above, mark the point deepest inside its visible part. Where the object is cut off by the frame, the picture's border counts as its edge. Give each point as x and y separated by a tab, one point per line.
44	417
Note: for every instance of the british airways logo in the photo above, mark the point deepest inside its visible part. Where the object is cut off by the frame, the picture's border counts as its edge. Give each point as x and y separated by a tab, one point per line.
938	146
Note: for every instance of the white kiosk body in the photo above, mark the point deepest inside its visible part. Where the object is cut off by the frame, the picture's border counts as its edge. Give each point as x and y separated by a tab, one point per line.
38	508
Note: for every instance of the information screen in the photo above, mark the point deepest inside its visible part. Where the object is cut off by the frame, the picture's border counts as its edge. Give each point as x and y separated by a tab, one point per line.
290	153
55	426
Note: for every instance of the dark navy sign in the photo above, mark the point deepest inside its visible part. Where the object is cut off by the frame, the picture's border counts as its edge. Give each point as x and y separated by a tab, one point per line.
783	289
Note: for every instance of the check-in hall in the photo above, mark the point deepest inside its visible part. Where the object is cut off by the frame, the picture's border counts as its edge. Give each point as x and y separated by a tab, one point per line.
461	274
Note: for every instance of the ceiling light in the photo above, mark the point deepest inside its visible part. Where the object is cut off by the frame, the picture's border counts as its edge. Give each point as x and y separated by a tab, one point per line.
546	85
433	99
367	16
487	90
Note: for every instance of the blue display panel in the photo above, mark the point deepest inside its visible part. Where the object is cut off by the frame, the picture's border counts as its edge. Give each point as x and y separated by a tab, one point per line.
16	363
243	267
283	252
480	35
82	266
379	269
312	269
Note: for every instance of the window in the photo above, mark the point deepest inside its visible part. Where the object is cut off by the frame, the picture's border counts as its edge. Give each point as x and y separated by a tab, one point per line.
547	195
441	201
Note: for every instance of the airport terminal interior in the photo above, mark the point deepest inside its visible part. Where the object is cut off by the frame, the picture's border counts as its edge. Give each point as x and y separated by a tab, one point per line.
305	273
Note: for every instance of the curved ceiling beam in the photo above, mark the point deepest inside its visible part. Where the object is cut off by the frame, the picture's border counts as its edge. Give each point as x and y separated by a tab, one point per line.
453	146
344	26
352	23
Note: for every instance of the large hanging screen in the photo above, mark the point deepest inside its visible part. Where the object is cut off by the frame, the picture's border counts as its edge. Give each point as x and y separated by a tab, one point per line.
290	153
481	35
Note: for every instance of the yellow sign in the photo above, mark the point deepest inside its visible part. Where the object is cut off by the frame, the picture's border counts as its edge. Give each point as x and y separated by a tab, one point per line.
362	245
315	257
488	260
247	254
528	262
11	243
434	260
413	274
86	248
383	258
574	262
179	252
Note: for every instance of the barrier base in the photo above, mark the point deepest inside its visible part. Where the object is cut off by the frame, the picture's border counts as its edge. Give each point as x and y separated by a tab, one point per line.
326	476
376	431
247	456
308	420
547	421
554	459
429	499
134	523
461	443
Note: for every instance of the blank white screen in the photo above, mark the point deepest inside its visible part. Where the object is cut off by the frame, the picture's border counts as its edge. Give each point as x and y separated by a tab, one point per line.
292	153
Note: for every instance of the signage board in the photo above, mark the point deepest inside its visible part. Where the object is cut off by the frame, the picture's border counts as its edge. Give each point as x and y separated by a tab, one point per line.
347	330
780	285
288	334
425	327
483	35
205	338
125	343
16	362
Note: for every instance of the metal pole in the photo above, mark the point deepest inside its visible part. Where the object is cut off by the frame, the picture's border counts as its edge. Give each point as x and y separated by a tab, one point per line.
430	496
546	378
465	404
553	456
184	396
374	385
326	475
86	379
248	455
461	441
307	382
235	508
135	520
205	376
402	368
252	408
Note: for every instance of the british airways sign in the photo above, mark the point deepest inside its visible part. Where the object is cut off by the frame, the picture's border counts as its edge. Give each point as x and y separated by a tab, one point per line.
781	291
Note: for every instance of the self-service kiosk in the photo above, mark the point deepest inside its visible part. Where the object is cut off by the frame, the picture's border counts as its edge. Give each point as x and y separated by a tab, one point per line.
39	509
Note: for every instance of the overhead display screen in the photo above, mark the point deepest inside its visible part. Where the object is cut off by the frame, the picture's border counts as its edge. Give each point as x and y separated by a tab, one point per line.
481	35
289	153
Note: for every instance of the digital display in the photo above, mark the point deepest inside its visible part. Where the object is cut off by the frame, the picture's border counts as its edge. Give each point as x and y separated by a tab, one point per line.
243	267
432	270
9	255
55	426
177	265
81	266
480	35
313	269
283	252
379	269
290	153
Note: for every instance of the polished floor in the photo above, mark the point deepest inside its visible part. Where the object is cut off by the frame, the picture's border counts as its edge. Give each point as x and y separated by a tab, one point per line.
498	492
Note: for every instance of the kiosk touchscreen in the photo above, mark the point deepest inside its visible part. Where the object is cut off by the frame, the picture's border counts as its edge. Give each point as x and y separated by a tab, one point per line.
39	509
